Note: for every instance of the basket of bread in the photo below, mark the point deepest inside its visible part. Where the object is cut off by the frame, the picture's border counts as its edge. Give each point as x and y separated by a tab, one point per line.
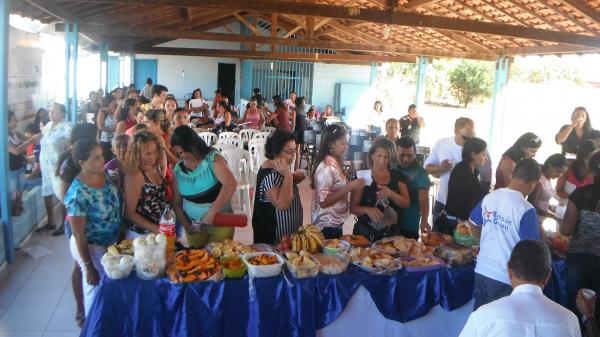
397	246
374	261
421	263
464	235
356	240
332	264
454	254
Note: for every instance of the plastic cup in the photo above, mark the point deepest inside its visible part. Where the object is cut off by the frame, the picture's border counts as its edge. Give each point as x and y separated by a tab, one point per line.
588	294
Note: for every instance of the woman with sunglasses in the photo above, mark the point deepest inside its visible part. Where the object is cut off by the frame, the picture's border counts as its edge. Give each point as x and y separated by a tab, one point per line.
525	147
331	199
277	207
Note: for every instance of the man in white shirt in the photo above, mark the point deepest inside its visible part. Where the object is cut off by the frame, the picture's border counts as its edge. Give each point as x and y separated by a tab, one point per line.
526	312
147	91
502	219
444	154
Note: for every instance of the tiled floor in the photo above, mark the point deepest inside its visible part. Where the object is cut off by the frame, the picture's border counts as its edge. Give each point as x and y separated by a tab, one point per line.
36	297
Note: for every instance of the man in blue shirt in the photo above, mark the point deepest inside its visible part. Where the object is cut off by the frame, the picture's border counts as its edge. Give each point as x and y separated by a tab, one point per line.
502	219
415	216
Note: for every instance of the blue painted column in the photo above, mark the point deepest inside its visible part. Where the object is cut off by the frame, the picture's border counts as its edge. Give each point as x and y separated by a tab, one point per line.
247	66
67	63
501	79
74	51
373	73
4	177
132	69
421	81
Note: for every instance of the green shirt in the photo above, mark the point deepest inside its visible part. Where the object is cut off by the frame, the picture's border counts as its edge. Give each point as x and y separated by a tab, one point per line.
416	179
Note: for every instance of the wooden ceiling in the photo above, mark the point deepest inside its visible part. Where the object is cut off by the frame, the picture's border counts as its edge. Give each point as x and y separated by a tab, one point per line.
354	31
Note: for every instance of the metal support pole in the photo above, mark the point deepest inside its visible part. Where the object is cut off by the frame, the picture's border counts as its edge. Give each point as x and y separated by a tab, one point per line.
501	79
67	62
104	67
5	196
132	69
421	81
74	51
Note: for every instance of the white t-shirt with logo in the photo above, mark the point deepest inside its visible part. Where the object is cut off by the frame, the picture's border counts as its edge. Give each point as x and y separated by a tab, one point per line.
507	218
445	148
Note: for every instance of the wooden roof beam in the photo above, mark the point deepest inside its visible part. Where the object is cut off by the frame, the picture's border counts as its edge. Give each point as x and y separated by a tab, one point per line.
418	3
62	14
566	16
377	16
353	32
545	50
584	9
535	15
179	34
245	54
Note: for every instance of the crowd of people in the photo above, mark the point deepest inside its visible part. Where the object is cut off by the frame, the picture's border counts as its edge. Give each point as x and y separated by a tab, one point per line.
114	178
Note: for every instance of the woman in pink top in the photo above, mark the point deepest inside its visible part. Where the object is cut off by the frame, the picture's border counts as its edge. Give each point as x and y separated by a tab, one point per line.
331	200
578	174
554	167
253	116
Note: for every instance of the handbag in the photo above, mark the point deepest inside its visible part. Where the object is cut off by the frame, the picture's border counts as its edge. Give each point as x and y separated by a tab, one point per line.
363	227
444	224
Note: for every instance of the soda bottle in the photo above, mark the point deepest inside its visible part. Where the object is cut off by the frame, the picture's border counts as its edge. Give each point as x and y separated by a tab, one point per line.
167	227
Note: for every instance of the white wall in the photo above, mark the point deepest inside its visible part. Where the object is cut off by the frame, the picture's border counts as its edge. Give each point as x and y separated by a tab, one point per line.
200	72
327	75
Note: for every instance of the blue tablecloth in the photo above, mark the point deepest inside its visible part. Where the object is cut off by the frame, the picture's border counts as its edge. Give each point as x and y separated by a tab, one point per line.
275	306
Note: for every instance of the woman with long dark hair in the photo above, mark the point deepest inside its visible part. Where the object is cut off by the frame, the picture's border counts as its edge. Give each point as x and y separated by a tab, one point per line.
126	118
202	187
94	209
554	167
281	115
582	224
572	135
331	198
464	189
222	119
578	173
107	124
525	147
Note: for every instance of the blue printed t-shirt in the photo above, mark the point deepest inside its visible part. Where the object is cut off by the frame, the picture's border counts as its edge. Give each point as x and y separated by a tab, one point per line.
506	218
101	208
416	179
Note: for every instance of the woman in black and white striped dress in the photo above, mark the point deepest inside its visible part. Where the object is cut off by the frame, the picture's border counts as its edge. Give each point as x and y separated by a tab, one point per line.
277	207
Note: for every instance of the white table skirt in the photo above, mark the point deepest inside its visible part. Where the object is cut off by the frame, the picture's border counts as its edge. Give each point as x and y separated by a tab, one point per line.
361	318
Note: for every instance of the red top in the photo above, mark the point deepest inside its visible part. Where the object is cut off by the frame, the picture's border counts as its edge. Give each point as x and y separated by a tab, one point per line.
283	118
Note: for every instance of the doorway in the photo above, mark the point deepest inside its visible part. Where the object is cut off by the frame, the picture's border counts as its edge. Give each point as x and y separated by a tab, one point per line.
226	80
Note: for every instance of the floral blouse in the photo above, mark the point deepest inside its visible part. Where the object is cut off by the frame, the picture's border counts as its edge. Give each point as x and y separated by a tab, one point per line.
329	178
101	208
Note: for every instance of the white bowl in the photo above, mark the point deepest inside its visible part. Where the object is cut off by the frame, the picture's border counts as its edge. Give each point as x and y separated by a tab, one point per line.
117	267
263	271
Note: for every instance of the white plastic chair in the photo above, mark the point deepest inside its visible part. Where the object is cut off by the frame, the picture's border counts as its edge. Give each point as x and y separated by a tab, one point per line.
238	161
268	129
228	135
208	137
247	134
261	134
223	147
231	141
256	147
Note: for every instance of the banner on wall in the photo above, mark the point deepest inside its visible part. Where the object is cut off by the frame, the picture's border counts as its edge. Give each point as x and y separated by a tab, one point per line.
24	73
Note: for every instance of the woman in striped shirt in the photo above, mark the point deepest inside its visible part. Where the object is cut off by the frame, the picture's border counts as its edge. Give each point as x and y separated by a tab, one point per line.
277	207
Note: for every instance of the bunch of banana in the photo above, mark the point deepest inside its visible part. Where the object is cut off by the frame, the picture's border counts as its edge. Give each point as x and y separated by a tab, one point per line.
309	238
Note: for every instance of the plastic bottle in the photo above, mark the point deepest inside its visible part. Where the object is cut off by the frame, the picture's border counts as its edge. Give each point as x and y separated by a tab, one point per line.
167	227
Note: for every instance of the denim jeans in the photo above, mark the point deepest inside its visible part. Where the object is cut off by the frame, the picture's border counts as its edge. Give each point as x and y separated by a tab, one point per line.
488	290
583	271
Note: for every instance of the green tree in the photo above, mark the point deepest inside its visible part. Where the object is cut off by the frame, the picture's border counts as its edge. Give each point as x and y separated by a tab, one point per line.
470	81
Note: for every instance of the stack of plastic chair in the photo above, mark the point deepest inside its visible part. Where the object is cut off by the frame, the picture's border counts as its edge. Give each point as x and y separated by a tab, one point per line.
223	147
268	129
256	147
210	138
231	141
261	135
247	134
238	162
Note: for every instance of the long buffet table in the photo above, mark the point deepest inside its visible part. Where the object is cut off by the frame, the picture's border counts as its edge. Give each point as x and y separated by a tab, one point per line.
354	303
